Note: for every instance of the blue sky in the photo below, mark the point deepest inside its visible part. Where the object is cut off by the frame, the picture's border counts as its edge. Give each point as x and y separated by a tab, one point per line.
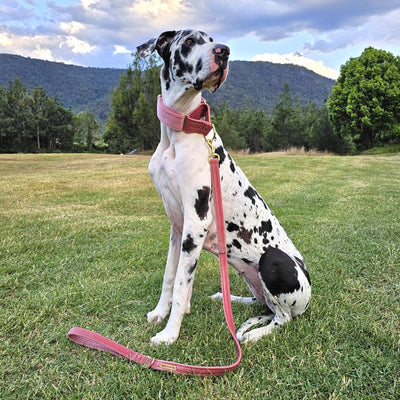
319	34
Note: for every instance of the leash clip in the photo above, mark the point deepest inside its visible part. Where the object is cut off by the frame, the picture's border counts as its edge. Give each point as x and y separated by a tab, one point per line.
209	142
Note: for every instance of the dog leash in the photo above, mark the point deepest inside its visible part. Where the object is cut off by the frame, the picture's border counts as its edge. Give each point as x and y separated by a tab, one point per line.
96	341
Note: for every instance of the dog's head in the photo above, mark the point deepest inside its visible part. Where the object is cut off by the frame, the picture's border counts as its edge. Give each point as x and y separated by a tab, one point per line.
191	59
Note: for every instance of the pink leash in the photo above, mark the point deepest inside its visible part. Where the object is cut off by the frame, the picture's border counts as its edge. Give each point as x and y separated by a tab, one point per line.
99	342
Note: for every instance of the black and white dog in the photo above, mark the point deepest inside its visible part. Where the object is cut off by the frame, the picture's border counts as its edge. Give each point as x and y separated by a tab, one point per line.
258	247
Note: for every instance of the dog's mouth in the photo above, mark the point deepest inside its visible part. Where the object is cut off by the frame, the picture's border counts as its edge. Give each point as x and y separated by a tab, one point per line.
213	81
219	75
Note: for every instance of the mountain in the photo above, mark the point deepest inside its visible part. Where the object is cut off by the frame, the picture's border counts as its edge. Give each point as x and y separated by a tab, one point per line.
82	88
261	83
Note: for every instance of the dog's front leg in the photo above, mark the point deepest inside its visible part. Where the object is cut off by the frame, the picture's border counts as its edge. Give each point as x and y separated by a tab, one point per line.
164	304
192	243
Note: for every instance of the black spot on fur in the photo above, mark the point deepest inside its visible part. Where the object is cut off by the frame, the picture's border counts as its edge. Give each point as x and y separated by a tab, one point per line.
278	271
232	164
266	227
251	194
301	264
181	66
192	268
188	244
198	84
232	227
245	260
221	153
202	204
199	65
186	49
236	244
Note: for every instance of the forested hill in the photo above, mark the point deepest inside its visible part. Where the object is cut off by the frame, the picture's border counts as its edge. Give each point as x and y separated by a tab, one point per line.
259	83
77	87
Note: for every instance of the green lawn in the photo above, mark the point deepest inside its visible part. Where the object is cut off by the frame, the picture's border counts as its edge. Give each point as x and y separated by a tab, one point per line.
83	242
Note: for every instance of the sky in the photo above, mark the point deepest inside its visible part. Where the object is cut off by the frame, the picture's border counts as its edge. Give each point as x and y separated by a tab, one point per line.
318	34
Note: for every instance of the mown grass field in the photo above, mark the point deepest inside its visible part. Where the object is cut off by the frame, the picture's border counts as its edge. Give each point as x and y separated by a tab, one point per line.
83	243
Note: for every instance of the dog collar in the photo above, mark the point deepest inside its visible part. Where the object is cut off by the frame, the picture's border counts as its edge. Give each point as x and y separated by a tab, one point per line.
198	121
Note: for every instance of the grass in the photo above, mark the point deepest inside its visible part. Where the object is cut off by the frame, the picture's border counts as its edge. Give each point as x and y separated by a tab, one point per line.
83	243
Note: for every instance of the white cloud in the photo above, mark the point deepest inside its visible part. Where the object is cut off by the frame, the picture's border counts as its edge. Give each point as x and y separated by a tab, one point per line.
86	4
298	59
72	27
77	46
5	40
42	53
121	50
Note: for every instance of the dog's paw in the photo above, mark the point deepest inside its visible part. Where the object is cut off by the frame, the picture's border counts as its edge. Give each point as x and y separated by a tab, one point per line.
242	337
163	338
156	316
216	296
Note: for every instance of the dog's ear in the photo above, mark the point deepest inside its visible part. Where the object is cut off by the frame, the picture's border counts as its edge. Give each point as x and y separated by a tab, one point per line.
159	44
147	48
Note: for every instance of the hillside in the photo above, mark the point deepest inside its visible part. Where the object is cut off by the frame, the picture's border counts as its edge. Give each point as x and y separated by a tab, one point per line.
261	83
76	87
82	88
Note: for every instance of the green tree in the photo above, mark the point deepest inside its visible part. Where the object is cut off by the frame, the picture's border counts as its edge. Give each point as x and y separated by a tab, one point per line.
86	128
365	102
16	119
256	128
133	121
226	122
322	135
287	121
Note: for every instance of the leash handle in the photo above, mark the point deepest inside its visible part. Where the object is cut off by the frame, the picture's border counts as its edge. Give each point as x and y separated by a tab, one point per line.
96	341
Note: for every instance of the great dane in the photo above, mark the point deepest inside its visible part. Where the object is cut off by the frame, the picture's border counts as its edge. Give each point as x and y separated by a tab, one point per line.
258	247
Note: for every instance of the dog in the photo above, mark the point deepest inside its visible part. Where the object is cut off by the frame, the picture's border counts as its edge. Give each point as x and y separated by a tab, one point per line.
257	245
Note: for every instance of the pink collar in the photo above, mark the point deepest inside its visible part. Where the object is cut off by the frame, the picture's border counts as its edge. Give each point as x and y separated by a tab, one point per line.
198	121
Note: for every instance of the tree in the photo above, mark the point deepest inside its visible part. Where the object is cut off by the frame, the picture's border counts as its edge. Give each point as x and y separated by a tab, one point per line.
133	121
255	126
15	118
322	135
287	122
364	106
85	129
226	122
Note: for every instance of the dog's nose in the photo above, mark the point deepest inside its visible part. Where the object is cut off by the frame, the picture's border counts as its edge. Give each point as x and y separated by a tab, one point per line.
222	51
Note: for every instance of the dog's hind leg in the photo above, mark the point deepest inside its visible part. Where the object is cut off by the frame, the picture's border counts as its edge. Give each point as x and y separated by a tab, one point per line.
240	333
276	321
236	299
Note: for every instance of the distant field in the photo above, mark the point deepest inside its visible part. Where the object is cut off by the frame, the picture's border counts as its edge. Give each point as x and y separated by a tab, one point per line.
83	243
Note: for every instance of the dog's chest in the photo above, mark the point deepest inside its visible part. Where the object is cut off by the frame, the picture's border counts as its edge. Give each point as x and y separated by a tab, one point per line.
163	173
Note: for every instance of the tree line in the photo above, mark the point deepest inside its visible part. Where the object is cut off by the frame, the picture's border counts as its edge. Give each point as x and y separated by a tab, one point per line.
363	111
133	121
35	122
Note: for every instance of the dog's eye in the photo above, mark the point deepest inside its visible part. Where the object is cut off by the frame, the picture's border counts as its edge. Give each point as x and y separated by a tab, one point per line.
189	42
